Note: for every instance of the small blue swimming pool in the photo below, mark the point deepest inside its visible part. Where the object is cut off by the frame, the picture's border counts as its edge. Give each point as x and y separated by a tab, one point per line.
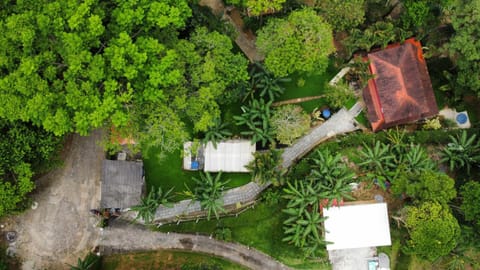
462	118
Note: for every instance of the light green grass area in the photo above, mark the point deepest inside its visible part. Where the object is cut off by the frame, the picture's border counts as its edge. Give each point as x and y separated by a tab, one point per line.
314	86
168	173
166	260
260	228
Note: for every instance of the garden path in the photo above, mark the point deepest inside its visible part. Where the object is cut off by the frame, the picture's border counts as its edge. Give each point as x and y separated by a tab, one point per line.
124	237
341	122
244	40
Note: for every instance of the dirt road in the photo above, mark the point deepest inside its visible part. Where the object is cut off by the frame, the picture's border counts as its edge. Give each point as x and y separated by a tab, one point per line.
61	229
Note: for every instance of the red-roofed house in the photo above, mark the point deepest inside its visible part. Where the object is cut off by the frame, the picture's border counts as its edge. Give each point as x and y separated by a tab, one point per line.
401	91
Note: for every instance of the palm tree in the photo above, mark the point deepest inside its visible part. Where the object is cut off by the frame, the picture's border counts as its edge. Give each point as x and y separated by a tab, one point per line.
209	191
462	151
256	116
149	204
304	229
378	158
416	160
265	83
331	176
217	133
87	263
265	167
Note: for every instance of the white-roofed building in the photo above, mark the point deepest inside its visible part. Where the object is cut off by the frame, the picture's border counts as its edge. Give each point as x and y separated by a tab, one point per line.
228	156
357	226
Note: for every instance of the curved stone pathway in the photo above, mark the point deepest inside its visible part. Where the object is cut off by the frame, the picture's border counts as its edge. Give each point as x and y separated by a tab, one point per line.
341	122
128	238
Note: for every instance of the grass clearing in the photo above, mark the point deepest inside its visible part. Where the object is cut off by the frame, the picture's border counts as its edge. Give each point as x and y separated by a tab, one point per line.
260	228
168	173
313	86
166	260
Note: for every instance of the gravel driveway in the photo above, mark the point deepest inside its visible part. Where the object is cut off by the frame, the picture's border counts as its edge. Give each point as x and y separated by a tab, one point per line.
61	229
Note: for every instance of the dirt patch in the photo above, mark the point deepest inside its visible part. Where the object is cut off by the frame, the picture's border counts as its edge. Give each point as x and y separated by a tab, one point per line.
61	229
187	243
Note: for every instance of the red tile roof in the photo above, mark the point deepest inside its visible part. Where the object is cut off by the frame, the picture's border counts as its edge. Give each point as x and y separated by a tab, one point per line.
401	91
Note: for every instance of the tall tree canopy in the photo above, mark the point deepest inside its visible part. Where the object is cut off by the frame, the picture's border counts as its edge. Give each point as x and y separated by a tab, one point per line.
433	230
464	46
301	42
24	150
342	14
72	67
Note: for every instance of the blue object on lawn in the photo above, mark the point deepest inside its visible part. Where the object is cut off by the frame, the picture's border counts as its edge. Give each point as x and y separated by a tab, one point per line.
326	113
194	165
461	118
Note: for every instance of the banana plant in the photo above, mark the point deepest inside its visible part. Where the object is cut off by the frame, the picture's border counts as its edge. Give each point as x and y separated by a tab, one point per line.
462	152
149	204
218	132
209	191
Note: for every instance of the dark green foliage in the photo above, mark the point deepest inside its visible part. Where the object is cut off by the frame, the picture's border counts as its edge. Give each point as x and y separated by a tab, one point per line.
462	152
470	193
379	34
266	167
90	262
416	14
24	151
264	84
216	133
465	53
328	180
256	116
149	204
342	14
272	196
209	191
223	233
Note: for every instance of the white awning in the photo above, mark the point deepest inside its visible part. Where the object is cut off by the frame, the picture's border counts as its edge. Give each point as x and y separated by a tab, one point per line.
229	156
357	226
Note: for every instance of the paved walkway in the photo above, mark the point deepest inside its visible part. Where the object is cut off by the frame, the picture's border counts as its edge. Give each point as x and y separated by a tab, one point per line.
128	238
341	122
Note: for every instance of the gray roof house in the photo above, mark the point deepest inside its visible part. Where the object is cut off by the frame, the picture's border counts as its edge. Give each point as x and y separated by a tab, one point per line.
122	183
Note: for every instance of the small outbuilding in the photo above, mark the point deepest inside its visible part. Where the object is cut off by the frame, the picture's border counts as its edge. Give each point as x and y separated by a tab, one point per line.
227	156
400	91
357	226
123	184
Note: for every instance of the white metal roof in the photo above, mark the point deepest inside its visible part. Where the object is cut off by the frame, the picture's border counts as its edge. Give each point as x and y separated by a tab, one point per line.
229	156
357	226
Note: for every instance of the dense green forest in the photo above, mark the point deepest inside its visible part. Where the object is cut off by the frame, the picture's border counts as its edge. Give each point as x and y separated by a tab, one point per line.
164	71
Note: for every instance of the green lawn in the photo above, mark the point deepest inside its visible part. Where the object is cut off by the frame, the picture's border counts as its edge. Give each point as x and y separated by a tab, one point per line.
168	173
314	86
260	228
165	260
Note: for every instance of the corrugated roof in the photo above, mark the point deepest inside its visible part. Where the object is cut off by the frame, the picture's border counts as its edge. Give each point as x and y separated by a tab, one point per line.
401	91
122	183
229	156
